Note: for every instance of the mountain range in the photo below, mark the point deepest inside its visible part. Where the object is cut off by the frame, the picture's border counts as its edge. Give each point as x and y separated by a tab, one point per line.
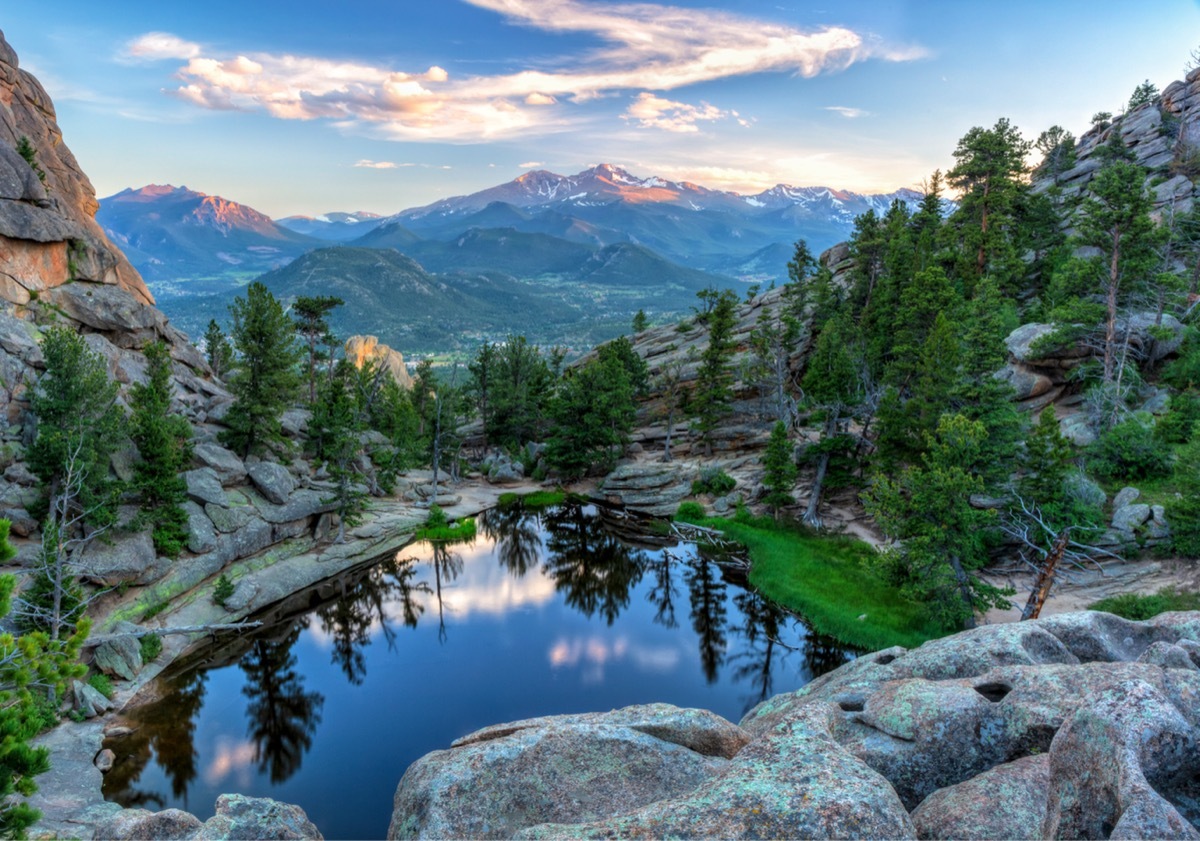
602	243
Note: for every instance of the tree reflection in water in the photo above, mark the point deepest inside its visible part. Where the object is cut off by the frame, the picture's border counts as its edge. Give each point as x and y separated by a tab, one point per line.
706	590
168	732
741	640
516	535
368	604
591	568
662	594
447	566
282	716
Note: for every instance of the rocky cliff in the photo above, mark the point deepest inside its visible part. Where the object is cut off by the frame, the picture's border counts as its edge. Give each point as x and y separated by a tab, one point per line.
48	230
1079	726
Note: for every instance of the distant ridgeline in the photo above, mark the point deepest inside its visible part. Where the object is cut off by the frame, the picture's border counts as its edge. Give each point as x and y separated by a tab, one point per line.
565	259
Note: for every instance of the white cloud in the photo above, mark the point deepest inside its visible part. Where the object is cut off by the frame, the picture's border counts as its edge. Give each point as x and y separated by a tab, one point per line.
847	112
378	164
531	164
156	46
651	111
645	47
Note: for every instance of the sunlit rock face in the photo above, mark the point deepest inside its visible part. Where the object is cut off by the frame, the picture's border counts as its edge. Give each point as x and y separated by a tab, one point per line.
363	349
48	230
1081	725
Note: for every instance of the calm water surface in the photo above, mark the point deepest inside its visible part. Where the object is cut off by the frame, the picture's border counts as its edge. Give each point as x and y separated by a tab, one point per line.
542	614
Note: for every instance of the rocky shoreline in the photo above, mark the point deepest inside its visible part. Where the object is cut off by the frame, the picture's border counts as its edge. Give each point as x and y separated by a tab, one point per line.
69	795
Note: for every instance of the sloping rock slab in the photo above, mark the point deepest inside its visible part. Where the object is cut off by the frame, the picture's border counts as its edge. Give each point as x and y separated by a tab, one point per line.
570	769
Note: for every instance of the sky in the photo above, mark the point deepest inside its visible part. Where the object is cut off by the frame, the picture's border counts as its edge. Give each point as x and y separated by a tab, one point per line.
312	106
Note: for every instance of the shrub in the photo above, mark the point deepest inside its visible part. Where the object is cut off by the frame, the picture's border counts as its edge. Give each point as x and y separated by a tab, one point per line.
690	511
1129	450
437	518
715	481
151	646
223	590
1175	427
102	684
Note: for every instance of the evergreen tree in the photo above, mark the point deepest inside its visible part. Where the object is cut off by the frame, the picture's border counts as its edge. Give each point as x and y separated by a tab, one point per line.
483	374
311	320
1143	94
337	423
591	417
943	539
780	473
620	352
1116	220
34	672
1183	512
989	175
712	396
523	385
831	385
163	440
78	423
640	322
217	350
265	381
1045	462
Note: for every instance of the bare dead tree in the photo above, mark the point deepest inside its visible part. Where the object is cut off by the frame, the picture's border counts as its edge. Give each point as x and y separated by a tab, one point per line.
1047	550
63	536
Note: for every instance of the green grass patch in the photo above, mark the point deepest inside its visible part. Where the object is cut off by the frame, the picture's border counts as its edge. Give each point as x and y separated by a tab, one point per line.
539	499
458	532
1138	607
102	684
828	581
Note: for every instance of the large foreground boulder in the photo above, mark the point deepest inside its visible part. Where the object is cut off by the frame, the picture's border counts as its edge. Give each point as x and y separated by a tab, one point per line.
1083	725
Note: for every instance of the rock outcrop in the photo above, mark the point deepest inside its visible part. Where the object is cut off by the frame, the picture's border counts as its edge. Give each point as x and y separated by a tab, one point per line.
237	816
1081	725
363	349
48	231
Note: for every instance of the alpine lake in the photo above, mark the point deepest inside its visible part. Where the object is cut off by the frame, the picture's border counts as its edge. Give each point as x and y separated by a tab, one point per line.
566	610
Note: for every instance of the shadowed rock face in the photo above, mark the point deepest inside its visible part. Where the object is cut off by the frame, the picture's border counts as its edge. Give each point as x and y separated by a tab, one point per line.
1081	725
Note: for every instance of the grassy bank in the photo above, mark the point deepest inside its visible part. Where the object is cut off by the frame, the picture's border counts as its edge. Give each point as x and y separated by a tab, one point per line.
827	580
539	499
1137	607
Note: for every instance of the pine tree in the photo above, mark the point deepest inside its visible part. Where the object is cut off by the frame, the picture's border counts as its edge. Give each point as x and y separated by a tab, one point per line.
712	396
831	386
780	473
336	428
78	423
164	442
1183	512
265	381
523	385
217	350
34	671
591	417
483	374
640	322
311	314
943	537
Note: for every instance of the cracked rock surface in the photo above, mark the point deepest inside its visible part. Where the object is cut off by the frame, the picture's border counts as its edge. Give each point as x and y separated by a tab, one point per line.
1082	725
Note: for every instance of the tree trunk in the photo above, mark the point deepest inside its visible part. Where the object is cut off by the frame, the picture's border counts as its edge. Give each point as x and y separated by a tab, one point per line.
812	515
1110	326
670	426
1045	579
964	590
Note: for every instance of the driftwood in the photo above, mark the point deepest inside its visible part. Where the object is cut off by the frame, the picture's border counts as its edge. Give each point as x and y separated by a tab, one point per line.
162	632
702	534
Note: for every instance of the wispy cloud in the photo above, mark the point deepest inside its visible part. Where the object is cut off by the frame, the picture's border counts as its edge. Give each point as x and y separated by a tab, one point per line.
645	47
847	112
531	164
364	163
650	111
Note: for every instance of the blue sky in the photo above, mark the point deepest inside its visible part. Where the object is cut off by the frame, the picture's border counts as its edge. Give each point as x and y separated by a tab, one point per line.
310	106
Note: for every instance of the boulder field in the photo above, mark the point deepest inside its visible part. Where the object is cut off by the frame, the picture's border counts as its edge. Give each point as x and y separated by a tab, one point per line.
1081	725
